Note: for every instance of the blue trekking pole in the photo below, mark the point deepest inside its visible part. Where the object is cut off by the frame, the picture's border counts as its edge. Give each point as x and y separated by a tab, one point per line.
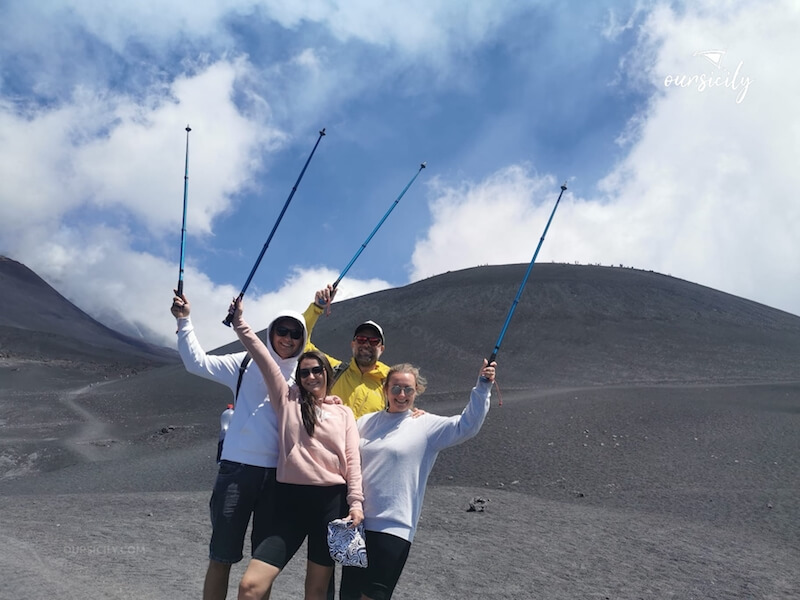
183	226
524	280
378	226
229	318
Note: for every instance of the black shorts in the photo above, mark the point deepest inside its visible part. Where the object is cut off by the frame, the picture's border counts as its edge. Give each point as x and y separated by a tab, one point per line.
302	511
240	491
386	557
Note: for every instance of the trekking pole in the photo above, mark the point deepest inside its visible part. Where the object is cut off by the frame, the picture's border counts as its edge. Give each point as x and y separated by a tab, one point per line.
229	318
378	226
524	280
183	226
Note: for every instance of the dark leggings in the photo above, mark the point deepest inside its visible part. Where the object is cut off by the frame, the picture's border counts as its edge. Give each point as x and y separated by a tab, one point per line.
302	511
386	557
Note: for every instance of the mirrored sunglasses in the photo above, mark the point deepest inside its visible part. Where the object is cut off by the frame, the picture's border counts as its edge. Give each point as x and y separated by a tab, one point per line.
363	339
408	390
306	372
295	334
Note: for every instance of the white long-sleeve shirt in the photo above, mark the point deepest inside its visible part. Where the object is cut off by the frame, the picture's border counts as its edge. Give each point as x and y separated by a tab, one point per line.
398	453
252	436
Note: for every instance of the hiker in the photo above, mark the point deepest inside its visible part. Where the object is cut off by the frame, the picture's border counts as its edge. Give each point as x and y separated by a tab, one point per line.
319	468
359	381
246	478
397	454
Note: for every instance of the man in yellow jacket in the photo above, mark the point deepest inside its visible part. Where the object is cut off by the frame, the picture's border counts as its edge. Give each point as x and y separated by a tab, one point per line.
359	381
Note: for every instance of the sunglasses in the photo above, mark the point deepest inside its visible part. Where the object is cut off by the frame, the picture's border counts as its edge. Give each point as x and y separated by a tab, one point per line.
408	390
295	334
363	339
306	372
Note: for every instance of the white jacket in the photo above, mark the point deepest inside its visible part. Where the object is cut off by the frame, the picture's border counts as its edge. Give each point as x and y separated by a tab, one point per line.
252	436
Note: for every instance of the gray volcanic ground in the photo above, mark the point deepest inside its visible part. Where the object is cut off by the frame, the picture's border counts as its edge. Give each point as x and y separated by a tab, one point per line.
646	445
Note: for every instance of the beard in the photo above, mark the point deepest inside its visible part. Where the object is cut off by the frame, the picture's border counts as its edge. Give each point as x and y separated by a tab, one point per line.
366	356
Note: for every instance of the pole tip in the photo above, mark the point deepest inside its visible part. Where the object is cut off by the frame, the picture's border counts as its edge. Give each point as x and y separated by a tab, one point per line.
322	131
423	165
188	129
563	186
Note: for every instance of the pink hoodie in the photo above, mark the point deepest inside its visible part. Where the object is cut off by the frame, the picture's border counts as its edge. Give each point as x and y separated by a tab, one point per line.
329	457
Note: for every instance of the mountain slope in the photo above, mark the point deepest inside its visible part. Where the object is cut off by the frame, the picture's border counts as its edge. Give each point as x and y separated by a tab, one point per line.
573	325
38	323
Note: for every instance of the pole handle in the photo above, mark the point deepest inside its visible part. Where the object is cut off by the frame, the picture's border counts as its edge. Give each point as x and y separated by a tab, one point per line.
489	361
231	311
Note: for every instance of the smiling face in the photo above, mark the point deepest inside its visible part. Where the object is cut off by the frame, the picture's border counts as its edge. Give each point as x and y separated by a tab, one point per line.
400	390
286	337
313	377
367	347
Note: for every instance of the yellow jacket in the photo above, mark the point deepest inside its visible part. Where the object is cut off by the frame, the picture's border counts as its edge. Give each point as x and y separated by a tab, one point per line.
362	392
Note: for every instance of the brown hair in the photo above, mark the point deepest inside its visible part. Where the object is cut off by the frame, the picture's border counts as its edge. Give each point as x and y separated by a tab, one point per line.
307	407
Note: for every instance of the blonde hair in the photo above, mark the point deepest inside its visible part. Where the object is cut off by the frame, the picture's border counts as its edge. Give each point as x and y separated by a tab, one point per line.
421	382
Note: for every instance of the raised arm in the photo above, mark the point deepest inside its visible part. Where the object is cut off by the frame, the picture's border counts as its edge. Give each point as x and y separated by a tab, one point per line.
455	430
322	300
222	369
276	384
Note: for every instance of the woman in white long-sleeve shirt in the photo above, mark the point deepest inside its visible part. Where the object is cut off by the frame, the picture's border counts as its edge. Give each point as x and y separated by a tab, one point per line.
246	480
398	451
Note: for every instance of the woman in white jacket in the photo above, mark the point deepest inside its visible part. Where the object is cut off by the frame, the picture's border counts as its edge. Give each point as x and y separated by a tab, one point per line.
246	480
398	451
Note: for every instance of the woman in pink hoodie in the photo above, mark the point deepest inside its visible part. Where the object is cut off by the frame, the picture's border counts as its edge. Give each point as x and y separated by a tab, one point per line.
319	468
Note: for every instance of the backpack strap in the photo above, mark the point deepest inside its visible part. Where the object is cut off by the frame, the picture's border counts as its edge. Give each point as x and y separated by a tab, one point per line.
338	370
242	369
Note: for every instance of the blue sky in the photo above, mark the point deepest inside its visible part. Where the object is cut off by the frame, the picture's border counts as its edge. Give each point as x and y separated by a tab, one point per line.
504	100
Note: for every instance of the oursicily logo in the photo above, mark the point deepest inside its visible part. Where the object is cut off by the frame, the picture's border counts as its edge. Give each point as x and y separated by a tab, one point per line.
721	78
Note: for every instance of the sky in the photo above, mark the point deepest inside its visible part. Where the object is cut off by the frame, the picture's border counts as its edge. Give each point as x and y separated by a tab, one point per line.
674	126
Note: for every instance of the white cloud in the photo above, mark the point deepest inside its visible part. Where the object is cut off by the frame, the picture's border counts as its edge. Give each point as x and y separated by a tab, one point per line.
150	21
711	180
706	191
68	166
613	28
414	27
103	150
35	171
67	169
225	147
490	222
309	59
